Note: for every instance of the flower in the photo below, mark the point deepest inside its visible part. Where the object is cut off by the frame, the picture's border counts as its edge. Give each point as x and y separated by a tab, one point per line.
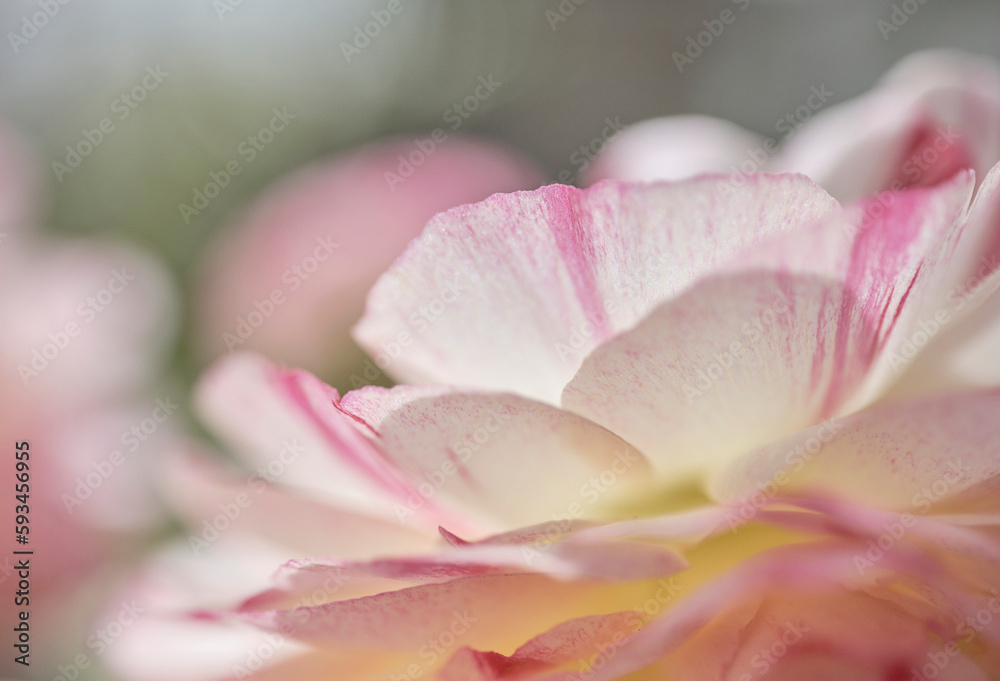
653	431
84	326
290	278
935	113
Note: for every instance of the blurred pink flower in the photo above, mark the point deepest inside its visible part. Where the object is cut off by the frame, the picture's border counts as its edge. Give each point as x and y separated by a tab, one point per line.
85	325
290	278
653	435
934	114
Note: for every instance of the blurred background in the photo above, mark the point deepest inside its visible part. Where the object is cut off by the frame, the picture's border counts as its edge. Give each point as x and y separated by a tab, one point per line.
565	67
168	131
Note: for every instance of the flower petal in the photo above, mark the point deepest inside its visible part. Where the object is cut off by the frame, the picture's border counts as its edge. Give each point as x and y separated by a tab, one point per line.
934	114
517	461
960	353
729	366
673	148
903	455
510	294
202	489
288	427
314	244
493	611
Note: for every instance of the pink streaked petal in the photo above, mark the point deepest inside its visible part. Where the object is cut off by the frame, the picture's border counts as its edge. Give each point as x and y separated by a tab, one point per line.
961	353
903	455
730	365
802	569
687	526
886	138
894	254
288	428
516	461
566	642
489	610
201	488
562	560
512	293
673	148
357	202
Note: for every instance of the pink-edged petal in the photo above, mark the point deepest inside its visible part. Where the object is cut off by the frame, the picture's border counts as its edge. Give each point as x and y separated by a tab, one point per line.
960	352
566	642
204	491
481	610
288	428
726	367
512	293
164	641
566	559
895	255
673	148
733	603
515	461
934	114
320	238
903	455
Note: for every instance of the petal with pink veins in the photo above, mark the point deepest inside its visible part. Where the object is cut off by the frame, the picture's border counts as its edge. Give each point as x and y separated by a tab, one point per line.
201	489
906	456
936	113
288	428
512	293
493	611
726	367
515	461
